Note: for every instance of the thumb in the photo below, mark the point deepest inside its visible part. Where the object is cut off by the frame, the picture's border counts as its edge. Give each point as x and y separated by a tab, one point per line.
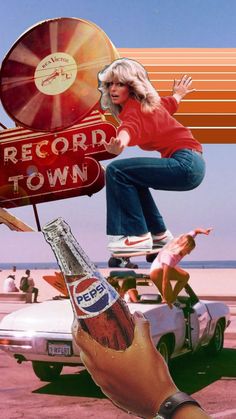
142	328
82	338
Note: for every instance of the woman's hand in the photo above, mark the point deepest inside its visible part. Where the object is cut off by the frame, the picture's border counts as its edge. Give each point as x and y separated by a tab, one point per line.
137	379
182	87
117	145
203	230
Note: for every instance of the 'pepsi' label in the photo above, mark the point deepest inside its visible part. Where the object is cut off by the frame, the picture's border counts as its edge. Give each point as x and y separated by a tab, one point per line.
92	297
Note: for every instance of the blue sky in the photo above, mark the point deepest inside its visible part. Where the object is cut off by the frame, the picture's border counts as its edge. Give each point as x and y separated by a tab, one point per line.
134	23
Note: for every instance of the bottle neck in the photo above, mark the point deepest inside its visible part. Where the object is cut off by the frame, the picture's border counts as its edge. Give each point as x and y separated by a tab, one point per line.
70	256
69	259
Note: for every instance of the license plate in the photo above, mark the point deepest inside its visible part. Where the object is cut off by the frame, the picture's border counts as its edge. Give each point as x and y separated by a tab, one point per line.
59	349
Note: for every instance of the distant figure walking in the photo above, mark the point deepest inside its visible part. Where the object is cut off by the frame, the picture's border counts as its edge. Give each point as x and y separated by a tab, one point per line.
27	285
9	284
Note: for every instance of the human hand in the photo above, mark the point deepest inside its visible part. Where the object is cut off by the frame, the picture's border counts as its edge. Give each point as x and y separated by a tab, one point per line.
182	87
115	146
140	369
203	230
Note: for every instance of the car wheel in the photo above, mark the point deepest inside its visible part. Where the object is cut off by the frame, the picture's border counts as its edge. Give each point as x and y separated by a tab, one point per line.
216	343
47	371
163	348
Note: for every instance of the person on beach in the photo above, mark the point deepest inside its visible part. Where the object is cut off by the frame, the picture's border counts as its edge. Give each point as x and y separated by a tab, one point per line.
164	269
134	222
27	285
137	380
9	284
13	270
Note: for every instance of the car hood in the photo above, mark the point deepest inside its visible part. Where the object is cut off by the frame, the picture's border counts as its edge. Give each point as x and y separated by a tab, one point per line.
50	316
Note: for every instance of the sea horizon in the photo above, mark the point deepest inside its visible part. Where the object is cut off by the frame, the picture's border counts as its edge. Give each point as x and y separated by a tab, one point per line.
200	264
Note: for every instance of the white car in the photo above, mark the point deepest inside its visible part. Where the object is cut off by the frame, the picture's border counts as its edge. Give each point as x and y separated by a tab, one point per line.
41	333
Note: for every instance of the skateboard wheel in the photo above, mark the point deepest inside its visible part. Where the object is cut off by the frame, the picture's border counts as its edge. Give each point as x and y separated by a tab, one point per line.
121	263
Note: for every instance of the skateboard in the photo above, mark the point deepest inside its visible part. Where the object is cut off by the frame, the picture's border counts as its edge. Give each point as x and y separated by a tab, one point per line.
128	254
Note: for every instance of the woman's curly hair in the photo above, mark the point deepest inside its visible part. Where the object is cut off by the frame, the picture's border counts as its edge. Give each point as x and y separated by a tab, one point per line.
134	75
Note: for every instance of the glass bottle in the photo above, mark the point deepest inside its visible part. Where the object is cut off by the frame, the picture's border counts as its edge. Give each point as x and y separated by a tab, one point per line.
97	306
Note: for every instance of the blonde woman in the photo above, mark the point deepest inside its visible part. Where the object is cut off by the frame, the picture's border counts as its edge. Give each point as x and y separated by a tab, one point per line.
164	269
133	219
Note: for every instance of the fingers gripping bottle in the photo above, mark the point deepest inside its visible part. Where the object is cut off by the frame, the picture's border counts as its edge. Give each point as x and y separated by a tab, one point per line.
97	306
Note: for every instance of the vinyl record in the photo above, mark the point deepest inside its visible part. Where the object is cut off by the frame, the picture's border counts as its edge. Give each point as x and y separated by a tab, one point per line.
48	79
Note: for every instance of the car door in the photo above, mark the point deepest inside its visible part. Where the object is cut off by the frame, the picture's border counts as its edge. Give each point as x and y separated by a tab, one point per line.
199	324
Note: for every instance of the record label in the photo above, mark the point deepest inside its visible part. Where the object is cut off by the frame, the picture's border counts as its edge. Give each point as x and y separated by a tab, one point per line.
55	73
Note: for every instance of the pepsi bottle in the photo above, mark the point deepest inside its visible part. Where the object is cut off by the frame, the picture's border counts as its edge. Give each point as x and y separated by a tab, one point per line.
97	306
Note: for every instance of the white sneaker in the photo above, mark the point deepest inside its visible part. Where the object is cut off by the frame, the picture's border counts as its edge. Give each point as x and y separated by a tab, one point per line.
131	243
114	238
161	240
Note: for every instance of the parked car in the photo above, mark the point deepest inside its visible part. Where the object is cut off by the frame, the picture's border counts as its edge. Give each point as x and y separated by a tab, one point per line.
41	333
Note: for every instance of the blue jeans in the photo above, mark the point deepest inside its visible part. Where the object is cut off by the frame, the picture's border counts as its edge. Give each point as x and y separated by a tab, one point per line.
131	209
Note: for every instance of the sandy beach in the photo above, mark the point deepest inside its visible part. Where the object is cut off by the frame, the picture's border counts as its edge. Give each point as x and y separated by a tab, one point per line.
214	282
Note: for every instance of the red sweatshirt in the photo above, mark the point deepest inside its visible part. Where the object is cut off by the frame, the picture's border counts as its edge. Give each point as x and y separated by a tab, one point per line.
157	130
